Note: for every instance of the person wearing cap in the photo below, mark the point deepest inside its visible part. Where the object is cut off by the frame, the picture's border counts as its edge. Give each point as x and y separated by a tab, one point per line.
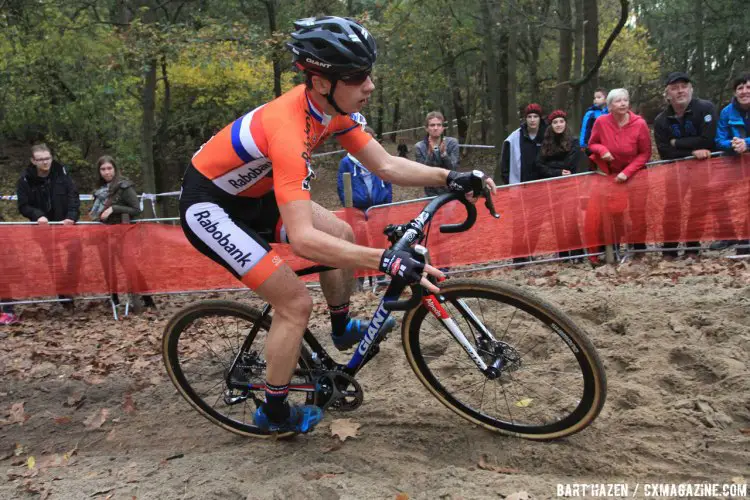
521	147
733	136
249	185
559	157
685	128
520	150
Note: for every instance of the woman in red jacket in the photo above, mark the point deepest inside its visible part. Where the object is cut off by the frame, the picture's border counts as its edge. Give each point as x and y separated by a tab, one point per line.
620	145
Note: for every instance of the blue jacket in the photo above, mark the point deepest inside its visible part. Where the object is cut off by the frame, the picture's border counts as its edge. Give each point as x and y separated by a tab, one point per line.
587	124
382	192
733	122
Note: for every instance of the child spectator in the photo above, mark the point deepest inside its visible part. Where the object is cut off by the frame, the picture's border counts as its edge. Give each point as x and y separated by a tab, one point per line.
598	109
367	188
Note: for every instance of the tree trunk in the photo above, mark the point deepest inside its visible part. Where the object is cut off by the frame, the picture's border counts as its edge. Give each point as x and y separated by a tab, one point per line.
396	118
511	105
577	109
565	55
271	9
699	67
458	106
591	44
148	105
380	111
166	174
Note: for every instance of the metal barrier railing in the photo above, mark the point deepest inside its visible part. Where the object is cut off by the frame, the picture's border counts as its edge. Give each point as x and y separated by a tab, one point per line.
620	255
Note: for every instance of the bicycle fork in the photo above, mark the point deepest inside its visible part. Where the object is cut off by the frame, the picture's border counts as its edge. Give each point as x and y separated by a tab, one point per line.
434	304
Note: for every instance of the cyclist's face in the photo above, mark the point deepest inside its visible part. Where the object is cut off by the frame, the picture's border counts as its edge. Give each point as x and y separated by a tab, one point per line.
352	97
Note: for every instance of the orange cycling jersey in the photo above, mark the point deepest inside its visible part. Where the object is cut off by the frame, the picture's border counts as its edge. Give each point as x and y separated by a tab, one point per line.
270	147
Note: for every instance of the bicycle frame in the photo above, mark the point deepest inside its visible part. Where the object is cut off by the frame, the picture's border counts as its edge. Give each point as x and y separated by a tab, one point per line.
368	347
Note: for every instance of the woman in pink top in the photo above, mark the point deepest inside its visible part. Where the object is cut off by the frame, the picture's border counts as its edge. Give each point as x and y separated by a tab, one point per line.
620	145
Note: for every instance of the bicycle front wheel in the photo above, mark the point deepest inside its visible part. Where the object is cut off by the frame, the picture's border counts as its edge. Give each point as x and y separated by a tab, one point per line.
548	380
200	345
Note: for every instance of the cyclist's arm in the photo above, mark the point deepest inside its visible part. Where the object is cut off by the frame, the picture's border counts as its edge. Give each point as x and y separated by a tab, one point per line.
321	247
398	170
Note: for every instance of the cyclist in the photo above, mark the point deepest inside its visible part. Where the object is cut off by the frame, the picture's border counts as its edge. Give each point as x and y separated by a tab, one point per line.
255	173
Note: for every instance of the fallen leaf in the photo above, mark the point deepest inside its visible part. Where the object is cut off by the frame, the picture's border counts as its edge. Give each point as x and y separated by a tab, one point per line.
30	462
518	495
738	480
523	403
63	420
20	450
495	468
53	460
17	414
110	435
746	430
344	428
402	496
128	406
96	419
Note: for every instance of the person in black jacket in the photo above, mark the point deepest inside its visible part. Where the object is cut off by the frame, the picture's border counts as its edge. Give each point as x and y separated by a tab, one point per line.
559	152
558	157
685	128
46	193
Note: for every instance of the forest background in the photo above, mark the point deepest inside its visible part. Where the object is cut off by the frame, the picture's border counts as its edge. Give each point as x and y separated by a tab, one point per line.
148	81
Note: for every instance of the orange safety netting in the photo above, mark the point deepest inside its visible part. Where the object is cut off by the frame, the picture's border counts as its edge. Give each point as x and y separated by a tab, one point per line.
683	201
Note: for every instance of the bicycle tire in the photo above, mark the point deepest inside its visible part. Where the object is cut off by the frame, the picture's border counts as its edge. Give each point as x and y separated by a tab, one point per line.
420	353
175	364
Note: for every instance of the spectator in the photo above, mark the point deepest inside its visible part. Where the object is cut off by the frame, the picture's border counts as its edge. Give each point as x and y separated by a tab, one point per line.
559	152
436	150
46	193
620	146
518	160
558	156
367	188
521	147
733	130
114	197
685	128
403	149
598	109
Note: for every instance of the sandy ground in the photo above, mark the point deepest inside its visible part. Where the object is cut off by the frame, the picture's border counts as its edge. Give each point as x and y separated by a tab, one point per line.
100	419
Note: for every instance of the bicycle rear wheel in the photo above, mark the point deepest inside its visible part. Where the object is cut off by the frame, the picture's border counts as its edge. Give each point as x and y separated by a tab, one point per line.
199	345
550	382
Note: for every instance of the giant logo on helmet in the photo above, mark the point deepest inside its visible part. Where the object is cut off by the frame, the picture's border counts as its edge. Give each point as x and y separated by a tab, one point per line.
317	63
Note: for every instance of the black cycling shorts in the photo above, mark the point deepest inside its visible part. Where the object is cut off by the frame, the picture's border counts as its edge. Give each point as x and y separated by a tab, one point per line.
234	231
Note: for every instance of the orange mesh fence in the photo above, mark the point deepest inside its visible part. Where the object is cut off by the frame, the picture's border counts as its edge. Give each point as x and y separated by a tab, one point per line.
684	201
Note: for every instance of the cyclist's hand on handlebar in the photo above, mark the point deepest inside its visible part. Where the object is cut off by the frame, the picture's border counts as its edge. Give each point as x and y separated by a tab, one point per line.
472	183
401	264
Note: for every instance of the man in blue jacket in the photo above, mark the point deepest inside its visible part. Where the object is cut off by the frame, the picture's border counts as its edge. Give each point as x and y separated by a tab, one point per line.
598	109
733	129
367	188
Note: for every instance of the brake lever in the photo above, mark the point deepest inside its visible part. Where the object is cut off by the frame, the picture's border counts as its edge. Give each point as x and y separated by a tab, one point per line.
487	193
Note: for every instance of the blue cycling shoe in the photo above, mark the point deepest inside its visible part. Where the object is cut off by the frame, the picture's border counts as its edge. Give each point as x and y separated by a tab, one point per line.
355	332
302	419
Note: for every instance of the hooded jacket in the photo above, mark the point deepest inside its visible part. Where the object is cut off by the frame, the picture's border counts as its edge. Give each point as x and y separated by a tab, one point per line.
587	124
630	145
696	130
733	122
362	197
54	197
519	154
